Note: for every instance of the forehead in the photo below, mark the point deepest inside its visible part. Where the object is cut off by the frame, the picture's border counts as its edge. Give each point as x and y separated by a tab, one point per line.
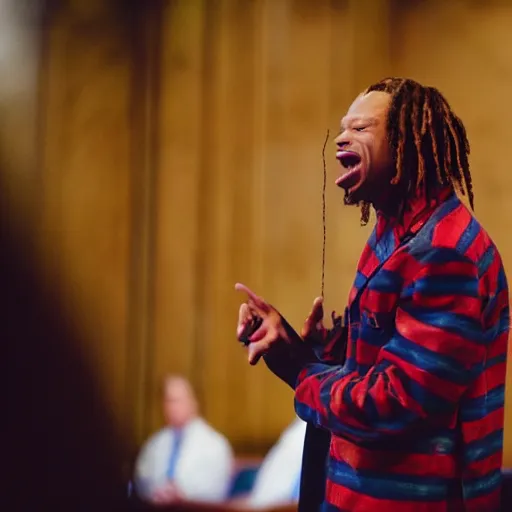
375	104
175	387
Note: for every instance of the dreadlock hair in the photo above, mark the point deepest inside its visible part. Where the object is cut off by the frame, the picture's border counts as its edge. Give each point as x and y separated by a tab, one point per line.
428	142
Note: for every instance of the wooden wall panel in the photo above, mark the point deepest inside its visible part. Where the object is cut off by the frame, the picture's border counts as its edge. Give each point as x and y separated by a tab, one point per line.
249	90
291	209
183	162
181	157
85	208
144	26
226	238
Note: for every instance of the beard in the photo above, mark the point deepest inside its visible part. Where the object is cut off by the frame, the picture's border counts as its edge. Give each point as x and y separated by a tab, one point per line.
349	200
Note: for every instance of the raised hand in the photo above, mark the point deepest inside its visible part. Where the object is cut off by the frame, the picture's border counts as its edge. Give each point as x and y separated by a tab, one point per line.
271	327
314	325
328	343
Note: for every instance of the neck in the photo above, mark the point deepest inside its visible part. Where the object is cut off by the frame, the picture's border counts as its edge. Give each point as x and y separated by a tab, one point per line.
389	205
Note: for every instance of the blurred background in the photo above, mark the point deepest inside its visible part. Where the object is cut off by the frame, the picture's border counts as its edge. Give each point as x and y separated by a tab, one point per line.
155	152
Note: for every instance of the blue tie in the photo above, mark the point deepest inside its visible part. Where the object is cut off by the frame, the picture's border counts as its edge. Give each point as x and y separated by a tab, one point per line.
296	489
173	459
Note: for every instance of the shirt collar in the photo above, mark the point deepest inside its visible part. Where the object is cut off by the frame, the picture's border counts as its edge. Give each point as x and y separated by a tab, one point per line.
417	212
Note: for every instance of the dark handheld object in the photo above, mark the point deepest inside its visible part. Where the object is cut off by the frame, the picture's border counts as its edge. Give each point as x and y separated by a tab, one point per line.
249	330
314	464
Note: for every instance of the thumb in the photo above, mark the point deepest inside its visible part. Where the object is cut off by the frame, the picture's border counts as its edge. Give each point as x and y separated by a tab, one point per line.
317	313
255	351
314	318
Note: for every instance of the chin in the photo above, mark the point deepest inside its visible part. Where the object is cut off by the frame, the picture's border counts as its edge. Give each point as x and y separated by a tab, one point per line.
355	197
348	200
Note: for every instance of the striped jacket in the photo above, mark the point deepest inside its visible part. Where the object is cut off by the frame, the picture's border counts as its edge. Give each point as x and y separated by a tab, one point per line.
416	410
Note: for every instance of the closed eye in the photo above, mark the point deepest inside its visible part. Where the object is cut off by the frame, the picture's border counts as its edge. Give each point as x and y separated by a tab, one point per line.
360	128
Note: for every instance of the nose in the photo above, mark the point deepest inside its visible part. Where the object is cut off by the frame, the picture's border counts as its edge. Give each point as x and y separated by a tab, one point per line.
342	140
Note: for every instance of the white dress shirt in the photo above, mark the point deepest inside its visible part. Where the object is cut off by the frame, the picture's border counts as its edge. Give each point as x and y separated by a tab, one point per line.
204	466
280	470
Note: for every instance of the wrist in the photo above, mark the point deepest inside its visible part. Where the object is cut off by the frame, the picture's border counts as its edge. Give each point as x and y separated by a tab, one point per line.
286	360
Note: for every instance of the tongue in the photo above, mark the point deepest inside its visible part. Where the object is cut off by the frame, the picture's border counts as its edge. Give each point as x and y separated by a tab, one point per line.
349	179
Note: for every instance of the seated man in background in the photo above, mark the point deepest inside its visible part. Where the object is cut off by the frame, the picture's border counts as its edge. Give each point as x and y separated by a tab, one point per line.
278	479
187	460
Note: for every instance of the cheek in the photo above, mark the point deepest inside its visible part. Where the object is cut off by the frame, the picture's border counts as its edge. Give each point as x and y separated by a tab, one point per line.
383	158
366	150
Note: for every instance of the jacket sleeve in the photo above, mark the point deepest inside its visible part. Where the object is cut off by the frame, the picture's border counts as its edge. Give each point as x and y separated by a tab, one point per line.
327	346
434	351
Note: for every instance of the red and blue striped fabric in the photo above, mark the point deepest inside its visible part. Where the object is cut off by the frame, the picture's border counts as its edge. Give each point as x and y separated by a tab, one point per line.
416	410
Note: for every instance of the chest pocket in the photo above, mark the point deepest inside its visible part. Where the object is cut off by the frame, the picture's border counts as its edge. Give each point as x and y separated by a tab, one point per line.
376	328
368	336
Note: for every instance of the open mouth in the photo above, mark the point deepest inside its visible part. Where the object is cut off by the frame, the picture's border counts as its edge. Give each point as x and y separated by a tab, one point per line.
351	163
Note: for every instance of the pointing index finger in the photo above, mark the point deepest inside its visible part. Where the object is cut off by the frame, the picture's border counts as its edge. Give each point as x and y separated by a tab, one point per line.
257	301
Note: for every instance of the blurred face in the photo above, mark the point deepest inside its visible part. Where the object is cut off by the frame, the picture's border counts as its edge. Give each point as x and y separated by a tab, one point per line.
363	149
179	403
